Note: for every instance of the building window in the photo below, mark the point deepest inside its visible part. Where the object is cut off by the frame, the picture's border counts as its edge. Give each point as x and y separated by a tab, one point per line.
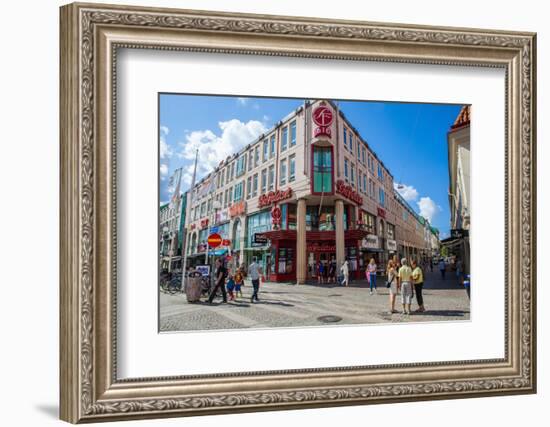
264	157
351	142
365	183
238	192
369	222
255	186
250	160
346	169
257	155
293	134
284	140
222	177
272	146
322	170
241	163
271	177
228	174
380	173
248	187
381	196
203	209
360	180
282	172
320	219
358	151
264	181
292	168
232	170
371	188
230	196
363	151
345	137
353	174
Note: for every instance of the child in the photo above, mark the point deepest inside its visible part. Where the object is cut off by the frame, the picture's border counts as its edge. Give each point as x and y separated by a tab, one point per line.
230	287
239	281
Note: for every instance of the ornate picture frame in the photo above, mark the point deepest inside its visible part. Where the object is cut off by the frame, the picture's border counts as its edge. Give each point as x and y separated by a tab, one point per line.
90	37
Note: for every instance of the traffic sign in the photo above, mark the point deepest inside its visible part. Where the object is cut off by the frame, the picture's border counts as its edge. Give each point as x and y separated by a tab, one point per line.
214	240
226	242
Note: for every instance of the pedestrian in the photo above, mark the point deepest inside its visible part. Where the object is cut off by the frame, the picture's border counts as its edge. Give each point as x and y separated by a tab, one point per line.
332	271
442	268
320	272
221	274
405	286
418	280
230	287
371	275
239	281
254	271
345	273
391	284
431	265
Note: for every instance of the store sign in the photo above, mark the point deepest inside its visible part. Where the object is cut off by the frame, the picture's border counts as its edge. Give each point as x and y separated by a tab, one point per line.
370	242
192	226
348	192
391	245
226	242
204	222
260	238
237	209
323	117
222	215
318	247
274	197
381	213
276	215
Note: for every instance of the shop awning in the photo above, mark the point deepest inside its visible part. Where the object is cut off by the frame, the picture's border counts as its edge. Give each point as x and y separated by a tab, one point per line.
258	248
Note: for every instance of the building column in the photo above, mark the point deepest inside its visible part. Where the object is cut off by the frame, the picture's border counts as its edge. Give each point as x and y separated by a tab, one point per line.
242	238
340	240
301	255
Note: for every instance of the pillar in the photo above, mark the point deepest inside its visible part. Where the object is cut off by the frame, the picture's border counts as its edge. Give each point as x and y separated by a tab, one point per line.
301	261
340	238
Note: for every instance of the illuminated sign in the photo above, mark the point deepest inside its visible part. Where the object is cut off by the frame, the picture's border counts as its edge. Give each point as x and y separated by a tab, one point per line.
323	117
274	197
348	192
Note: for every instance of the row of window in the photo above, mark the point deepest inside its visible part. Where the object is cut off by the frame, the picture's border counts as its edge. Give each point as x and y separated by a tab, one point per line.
363	155
287	173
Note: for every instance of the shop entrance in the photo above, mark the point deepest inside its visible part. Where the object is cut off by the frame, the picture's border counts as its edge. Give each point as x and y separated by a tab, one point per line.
316	257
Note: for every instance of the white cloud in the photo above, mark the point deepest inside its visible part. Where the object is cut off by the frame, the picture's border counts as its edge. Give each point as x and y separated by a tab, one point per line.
428	208
165	150
242	101
213	148
408	192
163	171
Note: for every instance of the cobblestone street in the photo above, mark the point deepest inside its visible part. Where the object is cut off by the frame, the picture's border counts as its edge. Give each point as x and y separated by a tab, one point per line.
289	305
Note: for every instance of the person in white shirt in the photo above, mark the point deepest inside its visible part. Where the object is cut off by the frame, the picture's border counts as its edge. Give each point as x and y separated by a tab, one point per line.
345	272
254	271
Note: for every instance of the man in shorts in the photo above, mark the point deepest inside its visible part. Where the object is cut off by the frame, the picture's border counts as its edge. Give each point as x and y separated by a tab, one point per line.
404	282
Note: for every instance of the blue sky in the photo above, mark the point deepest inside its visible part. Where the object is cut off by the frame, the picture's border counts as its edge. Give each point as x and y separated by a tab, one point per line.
410	139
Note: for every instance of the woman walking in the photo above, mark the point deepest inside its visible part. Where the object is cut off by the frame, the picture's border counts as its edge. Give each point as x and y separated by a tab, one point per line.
320	272
418	280
391	284
371	275
345	273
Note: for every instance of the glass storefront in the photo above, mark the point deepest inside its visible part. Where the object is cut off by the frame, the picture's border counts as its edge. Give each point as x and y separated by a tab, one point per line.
322	169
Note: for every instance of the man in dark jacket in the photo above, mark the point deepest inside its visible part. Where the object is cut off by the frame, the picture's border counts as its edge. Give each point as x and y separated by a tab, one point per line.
221	274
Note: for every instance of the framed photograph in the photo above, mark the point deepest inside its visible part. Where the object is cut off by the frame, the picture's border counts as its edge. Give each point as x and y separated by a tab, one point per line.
269	212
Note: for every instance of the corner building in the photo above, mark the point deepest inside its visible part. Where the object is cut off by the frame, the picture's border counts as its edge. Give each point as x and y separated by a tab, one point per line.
309	190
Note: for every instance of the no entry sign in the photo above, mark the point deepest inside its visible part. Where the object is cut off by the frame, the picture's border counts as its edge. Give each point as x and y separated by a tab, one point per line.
214	240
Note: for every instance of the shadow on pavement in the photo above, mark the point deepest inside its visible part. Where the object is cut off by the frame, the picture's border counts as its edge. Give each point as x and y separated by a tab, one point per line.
443	313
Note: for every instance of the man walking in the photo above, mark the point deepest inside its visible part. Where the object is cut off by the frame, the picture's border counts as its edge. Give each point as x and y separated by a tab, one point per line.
221	274
254	271
442	268
404	277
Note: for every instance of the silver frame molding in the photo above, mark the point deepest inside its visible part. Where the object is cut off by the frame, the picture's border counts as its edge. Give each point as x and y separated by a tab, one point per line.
90	37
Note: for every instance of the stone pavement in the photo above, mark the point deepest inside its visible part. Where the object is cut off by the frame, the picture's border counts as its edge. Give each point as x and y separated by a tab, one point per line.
289	305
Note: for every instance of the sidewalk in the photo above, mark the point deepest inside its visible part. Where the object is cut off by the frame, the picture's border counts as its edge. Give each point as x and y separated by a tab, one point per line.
291	305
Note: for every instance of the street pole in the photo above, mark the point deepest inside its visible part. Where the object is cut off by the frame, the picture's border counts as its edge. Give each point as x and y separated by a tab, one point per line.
187	207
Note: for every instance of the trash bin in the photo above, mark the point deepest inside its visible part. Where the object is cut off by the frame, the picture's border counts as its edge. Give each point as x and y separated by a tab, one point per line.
193	288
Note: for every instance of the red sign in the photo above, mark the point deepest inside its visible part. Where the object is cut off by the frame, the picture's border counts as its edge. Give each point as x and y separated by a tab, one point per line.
192	226
276	215
316	247
274	197
204	222
214	240
322	116
347	191
226	242
237	209
381	213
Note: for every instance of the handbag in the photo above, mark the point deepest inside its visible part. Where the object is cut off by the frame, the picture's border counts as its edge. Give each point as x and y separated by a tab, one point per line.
388	284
